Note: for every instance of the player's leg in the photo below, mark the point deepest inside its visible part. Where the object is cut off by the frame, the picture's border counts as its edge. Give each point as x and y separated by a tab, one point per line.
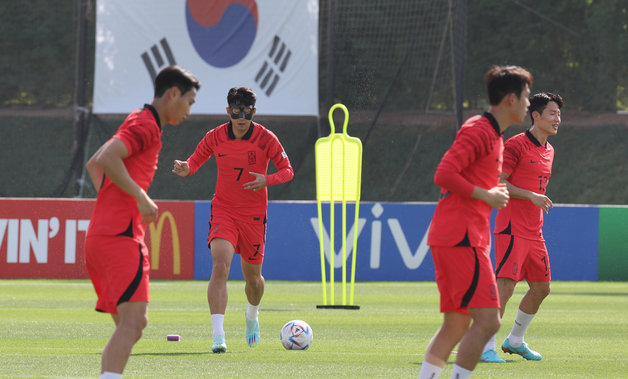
480	297
113	263
254	289
486	322
466	283
509	256
528	307
217	296
251	246
454	326
132	319
222	254
456	321
532	300
537	271
505	287
251	249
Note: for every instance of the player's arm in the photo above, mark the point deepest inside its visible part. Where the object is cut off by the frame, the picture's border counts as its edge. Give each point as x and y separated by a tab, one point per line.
110	160
449	173
258	183
497	197
181	168
96	174
537	199
200	155
449	178
284	173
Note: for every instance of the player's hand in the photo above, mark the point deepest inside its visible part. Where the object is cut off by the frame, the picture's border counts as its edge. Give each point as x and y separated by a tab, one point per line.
542	202
148	208
497	197
181	168
257	184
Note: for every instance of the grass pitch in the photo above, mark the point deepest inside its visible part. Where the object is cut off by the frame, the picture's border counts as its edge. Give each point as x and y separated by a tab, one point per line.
48	329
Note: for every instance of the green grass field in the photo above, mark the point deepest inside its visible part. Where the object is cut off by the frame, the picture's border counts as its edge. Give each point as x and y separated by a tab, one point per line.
48	329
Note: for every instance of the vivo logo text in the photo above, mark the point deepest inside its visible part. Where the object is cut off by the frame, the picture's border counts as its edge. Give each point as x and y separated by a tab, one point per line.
411	259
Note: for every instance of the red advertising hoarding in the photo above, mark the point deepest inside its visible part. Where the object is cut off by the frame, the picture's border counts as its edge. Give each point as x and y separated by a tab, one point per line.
44	238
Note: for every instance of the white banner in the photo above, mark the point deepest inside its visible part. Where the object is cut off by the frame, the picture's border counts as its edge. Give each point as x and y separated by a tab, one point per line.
270	46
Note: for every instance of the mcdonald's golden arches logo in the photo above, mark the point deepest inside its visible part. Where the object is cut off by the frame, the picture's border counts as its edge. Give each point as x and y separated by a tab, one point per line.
155	241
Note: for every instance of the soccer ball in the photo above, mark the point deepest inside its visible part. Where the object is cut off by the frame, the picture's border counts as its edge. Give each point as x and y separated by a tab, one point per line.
296	335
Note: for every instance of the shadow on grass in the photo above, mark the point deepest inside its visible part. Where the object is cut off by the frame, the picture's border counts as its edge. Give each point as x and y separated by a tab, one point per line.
624	294
277	309
169	354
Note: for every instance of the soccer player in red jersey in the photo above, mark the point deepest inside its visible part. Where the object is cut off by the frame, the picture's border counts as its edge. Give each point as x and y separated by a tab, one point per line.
122	170
243	149
459	235
520	251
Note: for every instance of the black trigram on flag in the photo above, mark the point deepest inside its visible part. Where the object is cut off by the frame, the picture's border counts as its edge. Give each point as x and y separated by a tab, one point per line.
158	57
278	57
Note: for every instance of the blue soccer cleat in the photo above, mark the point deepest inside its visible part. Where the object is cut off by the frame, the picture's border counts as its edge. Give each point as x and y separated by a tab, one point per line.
219	346
491	356
252	332
522	350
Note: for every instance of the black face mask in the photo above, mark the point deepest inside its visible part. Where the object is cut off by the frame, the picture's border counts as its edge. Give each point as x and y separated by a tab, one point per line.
239	110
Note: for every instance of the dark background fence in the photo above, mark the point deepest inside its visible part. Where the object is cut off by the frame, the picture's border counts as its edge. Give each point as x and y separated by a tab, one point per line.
408	71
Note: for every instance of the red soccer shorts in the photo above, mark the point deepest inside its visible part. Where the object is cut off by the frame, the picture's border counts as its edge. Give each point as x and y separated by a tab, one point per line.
247	237
519	258
118	268
465	278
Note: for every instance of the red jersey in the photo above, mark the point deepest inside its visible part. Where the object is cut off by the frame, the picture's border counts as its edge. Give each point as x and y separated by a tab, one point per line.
116	212
235	158
529	166
474	159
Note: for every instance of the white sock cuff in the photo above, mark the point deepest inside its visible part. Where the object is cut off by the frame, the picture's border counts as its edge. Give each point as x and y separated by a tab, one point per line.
490	344
252	311
217	324
524	317
429	370
460	372
110	375
522	321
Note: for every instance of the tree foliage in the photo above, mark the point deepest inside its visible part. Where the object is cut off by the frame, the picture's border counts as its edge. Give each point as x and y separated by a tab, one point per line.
38	52
578	48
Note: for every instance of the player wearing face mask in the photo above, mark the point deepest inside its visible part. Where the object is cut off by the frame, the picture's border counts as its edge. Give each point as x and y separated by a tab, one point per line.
243	149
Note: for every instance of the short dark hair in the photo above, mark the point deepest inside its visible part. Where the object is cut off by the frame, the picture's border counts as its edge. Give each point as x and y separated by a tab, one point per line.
539	102
242	95
503	80
175	76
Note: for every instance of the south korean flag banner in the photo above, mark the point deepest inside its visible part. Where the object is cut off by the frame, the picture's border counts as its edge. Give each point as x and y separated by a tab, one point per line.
270	46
